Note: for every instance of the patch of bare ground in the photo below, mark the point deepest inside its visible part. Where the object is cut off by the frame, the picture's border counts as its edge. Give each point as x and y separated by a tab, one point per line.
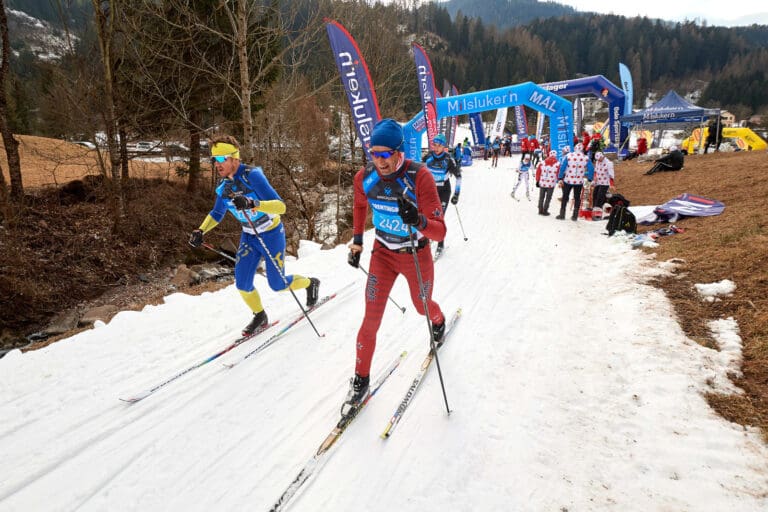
60	251
733	245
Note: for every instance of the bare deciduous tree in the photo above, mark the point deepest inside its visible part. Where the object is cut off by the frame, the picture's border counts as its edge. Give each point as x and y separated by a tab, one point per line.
10	142
105	16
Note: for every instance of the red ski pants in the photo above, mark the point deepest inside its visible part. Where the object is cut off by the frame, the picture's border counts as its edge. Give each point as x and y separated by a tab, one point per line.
385	266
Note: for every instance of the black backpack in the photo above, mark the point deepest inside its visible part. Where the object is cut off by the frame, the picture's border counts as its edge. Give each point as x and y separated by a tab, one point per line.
617	200
621	219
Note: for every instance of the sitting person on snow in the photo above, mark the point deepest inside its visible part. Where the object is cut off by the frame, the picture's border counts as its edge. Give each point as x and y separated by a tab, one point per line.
672	161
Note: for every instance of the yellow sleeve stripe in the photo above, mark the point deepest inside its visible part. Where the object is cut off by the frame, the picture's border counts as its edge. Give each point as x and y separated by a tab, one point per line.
273	206
208	224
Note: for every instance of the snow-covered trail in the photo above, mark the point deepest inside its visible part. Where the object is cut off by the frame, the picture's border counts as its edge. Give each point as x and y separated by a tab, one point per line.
571	384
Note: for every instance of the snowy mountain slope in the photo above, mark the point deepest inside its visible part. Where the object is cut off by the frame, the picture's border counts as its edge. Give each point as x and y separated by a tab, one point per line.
571	384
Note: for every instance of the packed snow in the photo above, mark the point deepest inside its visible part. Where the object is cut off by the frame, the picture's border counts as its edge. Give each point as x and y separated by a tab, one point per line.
571	386
712	290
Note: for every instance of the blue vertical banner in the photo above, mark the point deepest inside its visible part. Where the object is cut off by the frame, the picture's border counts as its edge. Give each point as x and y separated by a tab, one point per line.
426	89
626	84
356	81
521	123
476	127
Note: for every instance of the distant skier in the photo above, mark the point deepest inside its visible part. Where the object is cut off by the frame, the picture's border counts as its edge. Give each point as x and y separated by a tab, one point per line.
440	164
381	184
535	149
496	147
245	192
522	176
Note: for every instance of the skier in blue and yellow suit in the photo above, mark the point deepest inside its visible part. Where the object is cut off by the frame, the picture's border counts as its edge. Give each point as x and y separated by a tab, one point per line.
246	193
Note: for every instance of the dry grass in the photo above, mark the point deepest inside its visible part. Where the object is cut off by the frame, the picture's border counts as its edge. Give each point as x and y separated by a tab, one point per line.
50	162
733	245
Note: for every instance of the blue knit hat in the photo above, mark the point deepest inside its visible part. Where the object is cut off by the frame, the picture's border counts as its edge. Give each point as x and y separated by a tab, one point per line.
387	133
439	139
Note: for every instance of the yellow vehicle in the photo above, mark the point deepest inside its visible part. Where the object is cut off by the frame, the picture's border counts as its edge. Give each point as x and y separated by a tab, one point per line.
746	139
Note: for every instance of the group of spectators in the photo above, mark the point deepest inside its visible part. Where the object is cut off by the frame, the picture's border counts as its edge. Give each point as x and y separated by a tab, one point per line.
502	146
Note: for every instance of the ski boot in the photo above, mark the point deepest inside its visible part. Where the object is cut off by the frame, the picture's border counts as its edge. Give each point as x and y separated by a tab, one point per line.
259	321
313	291
438	334
439	250
358	389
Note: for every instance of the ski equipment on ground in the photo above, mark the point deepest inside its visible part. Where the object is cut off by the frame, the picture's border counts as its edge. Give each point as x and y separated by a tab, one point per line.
417	381
144	394
321	455
285	329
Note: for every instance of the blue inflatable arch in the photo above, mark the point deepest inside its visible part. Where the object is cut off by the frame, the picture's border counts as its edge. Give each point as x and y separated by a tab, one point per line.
603	89
559	110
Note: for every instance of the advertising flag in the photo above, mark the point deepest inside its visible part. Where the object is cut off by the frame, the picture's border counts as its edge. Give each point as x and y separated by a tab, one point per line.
356	81
499	123
454	124
426	89
539	124
476	127
687	205
626	85
521	123
577	115
445	121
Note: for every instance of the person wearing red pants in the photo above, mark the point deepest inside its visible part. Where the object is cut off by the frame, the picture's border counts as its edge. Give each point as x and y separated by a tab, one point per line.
403	197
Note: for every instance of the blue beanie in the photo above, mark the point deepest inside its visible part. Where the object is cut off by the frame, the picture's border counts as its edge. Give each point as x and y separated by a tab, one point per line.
387	133
439	139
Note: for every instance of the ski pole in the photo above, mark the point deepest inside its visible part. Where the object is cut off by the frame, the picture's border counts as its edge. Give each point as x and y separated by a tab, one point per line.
390	297
220	253
423	295
280	271
460	223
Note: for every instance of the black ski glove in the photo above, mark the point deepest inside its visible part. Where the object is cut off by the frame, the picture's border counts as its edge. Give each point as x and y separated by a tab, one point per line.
354	258
196	238
408	212
244	203
455	198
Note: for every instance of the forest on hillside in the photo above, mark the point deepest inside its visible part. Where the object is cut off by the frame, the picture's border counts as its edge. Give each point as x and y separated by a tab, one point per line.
729	66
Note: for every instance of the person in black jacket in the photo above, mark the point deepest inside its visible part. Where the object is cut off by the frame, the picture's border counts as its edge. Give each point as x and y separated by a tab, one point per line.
672	161
714	135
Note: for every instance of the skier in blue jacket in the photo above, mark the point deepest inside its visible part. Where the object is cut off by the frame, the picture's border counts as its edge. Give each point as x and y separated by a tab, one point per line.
246	193
441	164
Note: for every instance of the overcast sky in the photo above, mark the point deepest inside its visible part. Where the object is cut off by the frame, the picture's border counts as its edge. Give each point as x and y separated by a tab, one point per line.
715	12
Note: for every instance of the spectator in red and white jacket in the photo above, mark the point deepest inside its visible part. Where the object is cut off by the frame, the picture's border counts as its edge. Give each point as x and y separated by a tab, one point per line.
603	180
575	167
546	179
